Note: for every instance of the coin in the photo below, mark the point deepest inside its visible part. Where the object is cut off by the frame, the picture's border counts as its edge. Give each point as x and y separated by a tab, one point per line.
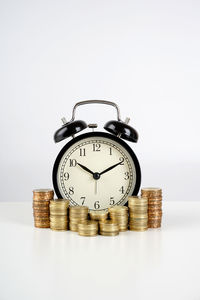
133	228
76	215
59	214
43	194
98	215
88	228
154	196
108	226
119	214
138	213
41	214
107	233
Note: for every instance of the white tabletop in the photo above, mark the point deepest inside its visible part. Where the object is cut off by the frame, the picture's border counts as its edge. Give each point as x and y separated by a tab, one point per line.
156	264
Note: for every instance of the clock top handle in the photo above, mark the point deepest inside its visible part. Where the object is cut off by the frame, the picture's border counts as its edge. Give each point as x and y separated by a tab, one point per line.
95	102
117	127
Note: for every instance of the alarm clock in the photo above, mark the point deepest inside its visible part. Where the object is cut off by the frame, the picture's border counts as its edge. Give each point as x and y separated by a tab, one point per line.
96	169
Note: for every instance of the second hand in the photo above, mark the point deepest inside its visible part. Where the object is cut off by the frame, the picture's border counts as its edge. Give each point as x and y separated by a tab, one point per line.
95	186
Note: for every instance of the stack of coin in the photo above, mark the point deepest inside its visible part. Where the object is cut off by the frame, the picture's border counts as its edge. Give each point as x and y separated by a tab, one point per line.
154	196
120	215
138	216
59	214
88	228
77	214
41	199
98	215
109	228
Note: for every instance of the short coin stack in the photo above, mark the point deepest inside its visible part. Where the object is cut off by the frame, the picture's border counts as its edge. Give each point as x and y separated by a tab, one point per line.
154	196
88	228
98	215
120	215
109	228
76	215
41	199
59	214
138	216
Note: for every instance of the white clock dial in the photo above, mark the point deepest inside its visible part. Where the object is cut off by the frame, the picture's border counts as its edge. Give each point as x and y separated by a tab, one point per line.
76	179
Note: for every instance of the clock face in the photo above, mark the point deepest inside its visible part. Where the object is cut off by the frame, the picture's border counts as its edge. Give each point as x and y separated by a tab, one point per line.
96	170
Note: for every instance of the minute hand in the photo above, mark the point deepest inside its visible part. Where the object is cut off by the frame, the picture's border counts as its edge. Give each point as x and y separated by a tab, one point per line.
110	168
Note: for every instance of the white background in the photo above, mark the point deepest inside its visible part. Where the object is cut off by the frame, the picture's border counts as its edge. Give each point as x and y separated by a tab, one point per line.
142	54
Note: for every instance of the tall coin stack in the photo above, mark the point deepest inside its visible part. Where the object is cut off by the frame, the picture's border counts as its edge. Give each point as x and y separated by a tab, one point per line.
88	228
138	216
59	214
41	200
76	215
120	215
154	196
109	228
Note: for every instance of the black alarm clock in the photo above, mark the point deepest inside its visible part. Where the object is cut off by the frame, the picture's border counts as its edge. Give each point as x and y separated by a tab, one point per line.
96	169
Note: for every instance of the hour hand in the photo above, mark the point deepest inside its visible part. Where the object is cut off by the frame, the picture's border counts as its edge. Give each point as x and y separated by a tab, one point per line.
85	168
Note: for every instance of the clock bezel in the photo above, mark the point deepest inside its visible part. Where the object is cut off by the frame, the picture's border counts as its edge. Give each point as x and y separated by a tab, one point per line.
96	134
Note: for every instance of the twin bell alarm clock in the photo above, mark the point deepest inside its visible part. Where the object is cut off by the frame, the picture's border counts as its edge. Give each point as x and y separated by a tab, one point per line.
96	169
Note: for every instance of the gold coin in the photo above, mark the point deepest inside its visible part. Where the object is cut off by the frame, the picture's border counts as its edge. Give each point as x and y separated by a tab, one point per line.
82	233
138	229
107	233
41	218
98	216
58	213
151	190
36	209
139	218
42	203
87	225
155	218
154	213
77	209
123	228
41	214
109	225
119	210
157	225
59	228
136	199
43	194
73	227
58	218
119	218
41	225
156	206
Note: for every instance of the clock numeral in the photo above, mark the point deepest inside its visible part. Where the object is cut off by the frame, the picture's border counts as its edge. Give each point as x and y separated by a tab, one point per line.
126	174
71	190
72	162
112	201
96	205
122	160
96	147
121	190
82	152
66	176
83	200
110	151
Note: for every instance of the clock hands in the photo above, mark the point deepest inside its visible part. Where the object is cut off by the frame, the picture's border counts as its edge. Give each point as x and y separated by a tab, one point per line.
86	169
97	175
110	168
